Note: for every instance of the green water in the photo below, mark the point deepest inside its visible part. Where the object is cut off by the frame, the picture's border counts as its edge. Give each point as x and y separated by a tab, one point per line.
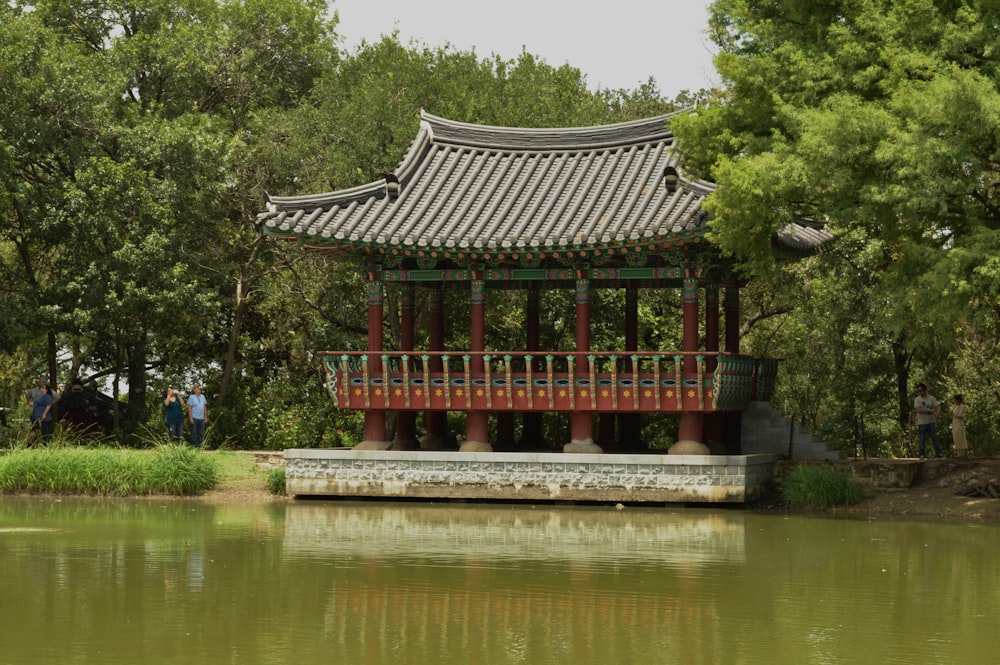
147	581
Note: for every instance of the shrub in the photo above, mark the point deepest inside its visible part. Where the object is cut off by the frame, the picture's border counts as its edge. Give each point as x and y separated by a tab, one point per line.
282	415
276	481
811	486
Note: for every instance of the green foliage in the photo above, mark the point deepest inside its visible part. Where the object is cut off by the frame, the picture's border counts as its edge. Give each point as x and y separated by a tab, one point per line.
811	486
878	116
276	481
879	119
288	414
137	140
177	470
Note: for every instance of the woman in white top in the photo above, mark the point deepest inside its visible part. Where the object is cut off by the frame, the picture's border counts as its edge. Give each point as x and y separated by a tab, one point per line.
958	425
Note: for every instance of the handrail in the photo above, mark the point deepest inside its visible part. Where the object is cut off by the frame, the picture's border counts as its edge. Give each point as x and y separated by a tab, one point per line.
665	380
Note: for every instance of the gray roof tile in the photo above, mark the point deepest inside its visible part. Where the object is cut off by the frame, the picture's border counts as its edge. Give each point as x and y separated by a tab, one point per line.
467	186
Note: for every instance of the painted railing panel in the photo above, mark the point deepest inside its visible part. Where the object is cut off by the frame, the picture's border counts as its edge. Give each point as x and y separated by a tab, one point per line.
519	381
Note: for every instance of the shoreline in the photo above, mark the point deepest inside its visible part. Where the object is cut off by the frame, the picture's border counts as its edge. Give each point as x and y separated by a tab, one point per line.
936	493
942	490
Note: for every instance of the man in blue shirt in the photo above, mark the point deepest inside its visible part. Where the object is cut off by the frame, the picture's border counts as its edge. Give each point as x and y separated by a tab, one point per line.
198	416
41	415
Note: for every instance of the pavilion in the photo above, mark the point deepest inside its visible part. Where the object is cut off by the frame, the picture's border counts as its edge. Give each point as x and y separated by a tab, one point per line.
478	209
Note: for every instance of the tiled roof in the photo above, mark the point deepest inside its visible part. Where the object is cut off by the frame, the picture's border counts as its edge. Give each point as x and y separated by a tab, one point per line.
805	236
467	188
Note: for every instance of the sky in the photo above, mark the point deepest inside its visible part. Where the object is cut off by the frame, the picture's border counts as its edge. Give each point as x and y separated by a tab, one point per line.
615	43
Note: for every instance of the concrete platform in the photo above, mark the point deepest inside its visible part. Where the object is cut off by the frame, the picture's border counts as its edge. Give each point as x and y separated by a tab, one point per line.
640	478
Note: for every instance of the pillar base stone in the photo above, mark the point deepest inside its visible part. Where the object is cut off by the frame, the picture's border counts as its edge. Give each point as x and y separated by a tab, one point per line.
475	447
689	447
438	442
374	445
583	448
405	444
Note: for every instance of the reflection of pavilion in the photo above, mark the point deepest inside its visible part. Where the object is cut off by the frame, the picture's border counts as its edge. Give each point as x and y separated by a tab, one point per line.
501	586
353	531
484	210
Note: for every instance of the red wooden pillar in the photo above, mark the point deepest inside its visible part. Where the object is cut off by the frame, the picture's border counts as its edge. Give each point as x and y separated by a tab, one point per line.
406	421
375	417
581	425
531	423
691	421
477	430
436	422
714	431
630	424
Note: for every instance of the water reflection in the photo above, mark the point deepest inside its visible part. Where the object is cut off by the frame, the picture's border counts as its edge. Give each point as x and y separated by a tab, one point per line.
594	535
178	581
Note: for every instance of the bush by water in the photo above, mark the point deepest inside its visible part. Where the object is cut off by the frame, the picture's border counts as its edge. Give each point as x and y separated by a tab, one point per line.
808	486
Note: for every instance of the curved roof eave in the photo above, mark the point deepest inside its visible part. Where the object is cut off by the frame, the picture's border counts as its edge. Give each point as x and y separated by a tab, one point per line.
372	189
464	188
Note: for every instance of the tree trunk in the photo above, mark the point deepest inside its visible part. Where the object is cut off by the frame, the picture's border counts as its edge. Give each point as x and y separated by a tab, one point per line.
244	284
136	408
239	314
901	361
50	357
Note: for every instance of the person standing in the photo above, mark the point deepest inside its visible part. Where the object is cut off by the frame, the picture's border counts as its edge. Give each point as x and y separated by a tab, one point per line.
173	414
33	393
958	426
198	416
41	415
927	409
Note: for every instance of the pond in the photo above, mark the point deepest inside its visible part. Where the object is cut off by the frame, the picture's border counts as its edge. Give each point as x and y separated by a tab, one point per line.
164	581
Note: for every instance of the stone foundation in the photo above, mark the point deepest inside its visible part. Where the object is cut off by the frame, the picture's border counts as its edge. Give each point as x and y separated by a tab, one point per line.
528	476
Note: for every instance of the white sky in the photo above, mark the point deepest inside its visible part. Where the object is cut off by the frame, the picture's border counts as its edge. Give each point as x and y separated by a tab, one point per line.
616	43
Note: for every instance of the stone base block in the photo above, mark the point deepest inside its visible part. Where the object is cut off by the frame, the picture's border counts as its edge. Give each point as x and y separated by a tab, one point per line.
528	476
374	445
689	447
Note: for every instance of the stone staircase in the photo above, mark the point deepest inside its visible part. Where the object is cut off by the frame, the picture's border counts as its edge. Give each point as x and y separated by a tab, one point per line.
765	430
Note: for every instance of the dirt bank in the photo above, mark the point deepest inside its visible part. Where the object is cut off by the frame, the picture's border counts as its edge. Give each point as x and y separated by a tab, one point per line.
949	489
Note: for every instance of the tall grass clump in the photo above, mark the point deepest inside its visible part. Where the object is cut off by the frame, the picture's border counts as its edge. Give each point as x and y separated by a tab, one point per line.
168	469
180	469
809	486
276	481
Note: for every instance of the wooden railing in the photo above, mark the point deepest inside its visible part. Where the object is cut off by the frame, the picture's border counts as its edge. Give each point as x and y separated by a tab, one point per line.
521	381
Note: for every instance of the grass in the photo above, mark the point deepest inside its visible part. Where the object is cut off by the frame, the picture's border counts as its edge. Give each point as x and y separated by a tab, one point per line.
810	486
166	469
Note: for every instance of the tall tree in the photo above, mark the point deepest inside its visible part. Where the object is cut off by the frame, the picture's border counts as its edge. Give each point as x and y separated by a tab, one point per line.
125	167
877	117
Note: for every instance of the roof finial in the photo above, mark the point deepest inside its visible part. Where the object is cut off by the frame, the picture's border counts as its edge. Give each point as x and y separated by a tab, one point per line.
392	186
671	178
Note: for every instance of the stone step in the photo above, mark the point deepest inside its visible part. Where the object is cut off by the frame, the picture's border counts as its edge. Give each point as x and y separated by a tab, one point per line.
766	430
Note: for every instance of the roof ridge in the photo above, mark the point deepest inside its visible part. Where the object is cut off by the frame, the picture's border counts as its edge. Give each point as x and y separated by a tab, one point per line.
517	139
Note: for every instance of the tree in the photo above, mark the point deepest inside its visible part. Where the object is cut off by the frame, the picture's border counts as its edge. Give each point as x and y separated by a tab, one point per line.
124	133
137	140
44	105
878	118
